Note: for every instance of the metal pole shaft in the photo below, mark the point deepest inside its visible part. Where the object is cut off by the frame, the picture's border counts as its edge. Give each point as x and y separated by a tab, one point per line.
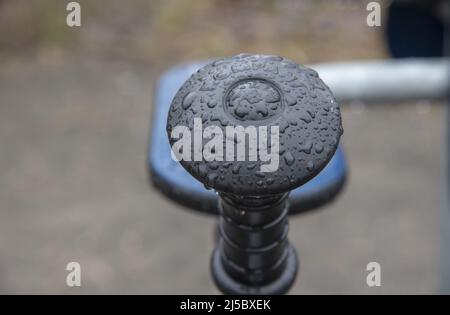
253	237
253	255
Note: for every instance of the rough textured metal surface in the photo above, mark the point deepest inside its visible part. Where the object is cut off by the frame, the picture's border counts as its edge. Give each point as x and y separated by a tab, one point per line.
267	91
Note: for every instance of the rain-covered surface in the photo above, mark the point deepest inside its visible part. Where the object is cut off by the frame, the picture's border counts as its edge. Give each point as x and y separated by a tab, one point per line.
303	112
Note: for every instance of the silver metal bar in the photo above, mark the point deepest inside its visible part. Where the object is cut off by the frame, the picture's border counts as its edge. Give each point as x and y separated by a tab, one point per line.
387	80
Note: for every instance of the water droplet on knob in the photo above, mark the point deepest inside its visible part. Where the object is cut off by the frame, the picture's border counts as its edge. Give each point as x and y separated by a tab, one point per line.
291	101
289	159
211	104
318	148
188	99
236	169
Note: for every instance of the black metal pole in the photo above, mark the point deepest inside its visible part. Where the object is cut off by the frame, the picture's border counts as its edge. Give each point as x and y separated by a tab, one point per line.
253	248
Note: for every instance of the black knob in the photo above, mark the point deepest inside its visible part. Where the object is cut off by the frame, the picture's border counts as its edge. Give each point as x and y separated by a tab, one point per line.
254	127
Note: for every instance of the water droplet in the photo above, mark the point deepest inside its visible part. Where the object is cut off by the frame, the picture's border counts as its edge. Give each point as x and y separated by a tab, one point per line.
241	111
212	178
306	119
283	126
288	158
291	101
207	86
260	174
274	58
292	121
306	148
202	170
318	148
211	104
188	99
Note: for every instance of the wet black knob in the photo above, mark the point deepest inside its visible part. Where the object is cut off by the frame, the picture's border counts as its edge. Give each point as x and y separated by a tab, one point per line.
254	127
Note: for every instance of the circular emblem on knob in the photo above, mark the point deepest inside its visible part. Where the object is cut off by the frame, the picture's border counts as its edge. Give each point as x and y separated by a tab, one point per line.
253	100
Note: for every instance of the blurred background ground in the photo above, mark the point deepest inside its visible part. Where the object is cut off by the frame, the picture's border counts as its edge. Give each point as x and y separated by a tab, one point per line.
75	108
